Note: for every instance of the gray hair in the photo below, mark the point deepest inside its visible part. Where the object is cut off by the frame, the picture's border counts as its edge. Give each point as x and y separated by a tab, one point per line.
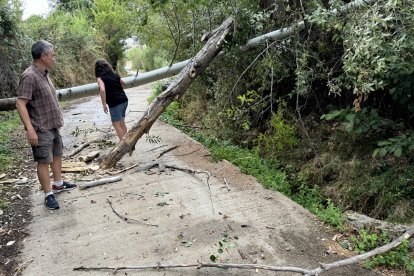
40	47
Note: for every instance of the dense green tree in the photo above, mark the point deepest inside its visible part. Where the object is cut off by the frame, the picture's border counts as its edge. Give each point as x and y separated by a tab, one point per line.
13	47
73	37
71	5
113	21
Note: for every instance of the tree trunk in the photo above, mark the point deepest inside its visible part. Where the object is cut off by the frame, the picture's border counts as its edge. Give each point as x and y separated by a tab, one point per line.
8	104
175	90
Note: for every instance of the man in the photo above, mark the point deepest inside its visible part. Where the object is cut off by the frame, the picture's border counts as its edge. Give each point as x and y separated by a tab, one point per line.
40	113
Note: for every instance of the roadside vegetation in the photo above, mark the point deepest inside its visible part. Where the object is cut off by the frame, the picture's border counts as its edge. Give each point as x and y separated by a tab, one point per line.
325	116
274	174
9	122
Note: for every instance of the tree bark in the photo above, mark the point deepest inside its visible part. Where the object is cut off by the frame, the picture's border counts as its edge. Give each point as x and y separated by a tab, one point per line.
176	89
8	104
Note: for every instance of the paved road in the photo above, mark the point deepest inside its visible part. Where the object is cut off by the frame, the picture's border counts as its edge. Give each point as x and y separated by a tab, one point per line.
191	218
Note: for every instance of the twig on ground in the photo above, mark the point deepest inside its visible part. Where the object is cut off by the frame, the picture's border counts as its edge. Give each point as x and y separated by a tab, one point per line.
227	185
181	203
151	165
324	267
123	170
137	111
167	150
79	149
128	219
187	126
146	167
242	255
184	154
157	148
22	267
99	182
194	172
209	188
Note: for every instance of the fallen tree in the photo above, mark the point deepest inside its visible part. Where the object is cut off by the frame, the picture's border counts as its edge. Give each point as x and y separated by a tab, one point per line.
176	89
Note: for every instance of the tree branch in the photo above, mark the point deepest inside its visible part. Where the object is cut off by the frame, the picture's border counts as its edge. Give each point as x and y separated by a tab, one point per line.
324	267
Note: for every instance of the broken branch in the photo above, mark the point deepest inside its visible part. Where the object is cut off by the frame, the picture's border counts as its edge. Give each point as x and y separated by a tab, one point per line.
227	185
123	170
166	151
89	157
99	182
324	267
128	219
79	149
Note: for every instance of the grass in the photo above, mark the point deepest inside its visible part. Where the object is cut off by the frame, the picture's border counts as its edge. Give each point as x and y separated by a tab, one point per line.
8	123
3	204
267	173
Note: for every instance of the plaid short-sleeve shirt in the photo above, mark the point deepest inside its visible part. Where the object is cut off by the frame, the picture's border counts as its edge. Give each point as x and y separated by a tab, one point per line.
43	106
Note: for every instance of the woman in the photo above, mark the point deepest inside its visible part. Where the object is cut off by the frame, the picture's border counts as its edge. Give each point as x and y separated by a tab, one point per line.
112	94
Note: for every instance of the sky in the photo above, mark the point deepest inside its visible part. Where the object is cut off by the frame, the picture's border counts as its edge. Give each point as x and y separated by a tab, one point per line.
34	7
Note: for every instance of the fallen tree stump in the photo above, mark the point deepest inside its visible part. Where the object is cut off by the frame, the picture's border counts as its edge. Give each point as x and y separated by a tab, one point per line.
175	90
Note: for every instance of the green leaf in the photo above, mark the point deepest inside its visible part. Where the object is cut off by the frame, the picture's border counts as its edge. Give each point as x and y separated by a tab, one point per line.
350	117
213	258
398	152
382	152
384	143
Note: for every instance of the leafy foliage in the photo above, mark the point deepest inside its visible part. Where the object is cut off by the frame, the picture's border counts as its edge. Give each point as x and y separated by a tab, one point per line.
112	20
278	136
396	258
145	59
368	122
396	145
13	44
9	121
74	42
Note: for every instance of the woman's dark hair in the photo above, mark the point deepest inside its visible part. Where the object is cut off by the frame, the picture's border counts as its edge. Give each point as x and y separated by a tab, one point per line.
102	67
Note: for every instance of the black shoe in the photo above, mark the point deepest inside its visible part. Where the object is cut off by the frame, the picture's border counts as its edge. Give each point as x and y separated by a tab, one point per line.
66	186
51	203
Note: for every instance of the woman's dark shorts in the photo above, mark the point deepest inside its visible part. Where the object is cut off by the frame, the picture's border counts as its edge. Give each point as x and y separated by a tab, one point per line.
118	112
50	144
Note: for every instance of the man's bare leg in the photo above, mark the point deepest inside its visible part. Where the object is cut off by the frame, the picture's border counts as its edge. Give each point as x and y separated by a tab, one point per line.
56	167
43	175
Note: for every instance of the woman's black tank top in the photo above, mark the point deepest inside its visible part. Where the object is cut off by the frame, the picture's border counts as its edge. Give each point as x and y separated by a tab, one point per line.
115	94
